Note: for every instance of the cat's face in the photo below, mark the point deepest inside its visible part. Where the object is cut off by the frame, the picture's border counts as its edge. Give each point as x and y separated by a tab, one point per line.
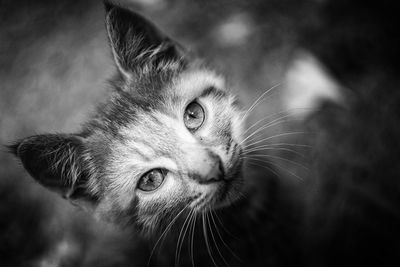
181	148
167	139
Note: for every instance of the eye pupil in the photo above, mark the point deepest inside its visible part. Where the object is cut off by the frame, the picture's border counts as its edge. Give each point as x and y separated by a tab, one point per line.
194	116
149	179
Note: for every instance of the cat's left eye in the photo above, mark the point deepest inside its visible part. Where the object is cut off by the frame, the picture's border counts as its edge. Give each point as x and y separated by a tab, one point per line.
194	116
151	180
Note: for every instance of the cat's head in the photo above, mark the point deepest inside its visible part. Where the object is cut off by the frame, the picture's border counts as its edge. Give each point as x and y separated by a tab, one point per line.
167	139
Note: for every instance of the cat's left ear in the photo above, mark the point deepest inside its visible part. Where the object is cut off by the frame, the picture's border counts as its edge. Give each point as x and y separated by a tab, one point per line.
58	162
136	42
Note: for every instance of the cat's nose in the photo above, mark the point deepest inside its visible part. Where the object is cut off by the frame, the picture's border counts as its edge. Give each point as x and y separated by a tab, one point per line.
215	170
216	173
206	167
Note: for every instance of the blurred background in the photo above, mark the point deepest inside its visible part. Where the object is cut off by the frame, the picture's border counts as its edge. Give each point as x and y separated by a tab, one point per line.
55	60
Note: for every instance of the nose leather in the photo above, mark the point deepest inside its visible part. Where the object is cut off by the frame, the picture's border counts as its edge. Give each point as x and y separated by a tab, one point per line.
216	172
213	170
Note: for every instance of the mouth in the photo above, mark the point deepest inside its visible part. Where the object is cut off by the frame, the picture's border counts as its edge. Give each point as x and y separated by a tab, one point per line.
227	190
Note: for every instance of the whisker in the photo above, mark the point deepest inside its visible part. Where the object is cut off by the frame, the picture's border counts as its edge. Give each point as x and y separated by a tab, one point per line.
287	144
258	100
179	240
274	136
263	166
192	239
277	165
268	125
220	236
206	240
280	158
304	109
223	227
215	243
266	117
190	235
164	232
184	233
249	151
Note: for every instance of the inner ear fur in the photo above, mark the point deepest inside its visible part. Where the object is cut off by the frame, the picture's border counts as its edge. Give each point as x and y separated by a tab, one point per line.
56	161
136	42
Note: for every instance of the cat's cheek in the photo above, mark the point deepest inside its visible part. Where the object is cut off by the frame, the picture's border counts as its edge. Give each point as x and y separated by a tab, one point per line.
237	129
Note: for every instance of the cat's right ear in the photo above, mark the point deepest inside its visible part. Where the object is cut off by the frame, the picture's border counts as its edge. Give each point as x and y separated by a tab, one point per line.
136	42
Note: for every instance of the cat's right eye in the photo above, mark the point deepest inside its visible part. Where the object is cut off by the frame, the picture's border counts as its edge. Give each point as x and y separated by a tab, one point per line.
151	180
194	116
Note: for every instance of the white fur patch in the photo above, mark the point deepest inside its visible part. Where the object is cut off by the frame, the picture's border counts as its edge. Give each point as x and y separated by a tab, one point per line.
192	83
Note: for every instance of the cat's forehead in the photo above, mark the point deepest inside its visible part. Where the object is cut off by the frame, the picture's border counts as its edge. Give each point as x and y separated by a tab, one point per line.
193	83
167	108
161	126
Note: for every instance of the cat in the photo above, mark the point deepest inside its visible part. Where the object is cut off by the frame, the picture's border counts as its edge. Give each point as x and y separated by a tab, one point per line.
167	140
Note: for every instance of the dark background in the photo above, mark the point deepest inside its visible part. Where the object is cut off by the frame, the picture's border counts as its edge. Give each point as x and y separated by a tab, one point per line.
54	61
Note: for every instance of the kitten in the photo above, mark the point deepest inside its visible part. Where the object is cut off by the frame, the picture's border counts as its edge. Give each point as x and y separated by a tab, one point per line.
167	140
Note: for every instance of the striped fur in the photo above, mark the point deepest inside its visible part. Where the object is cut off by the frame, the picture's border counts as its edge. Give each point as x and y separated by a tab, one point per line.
155	136
140	127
